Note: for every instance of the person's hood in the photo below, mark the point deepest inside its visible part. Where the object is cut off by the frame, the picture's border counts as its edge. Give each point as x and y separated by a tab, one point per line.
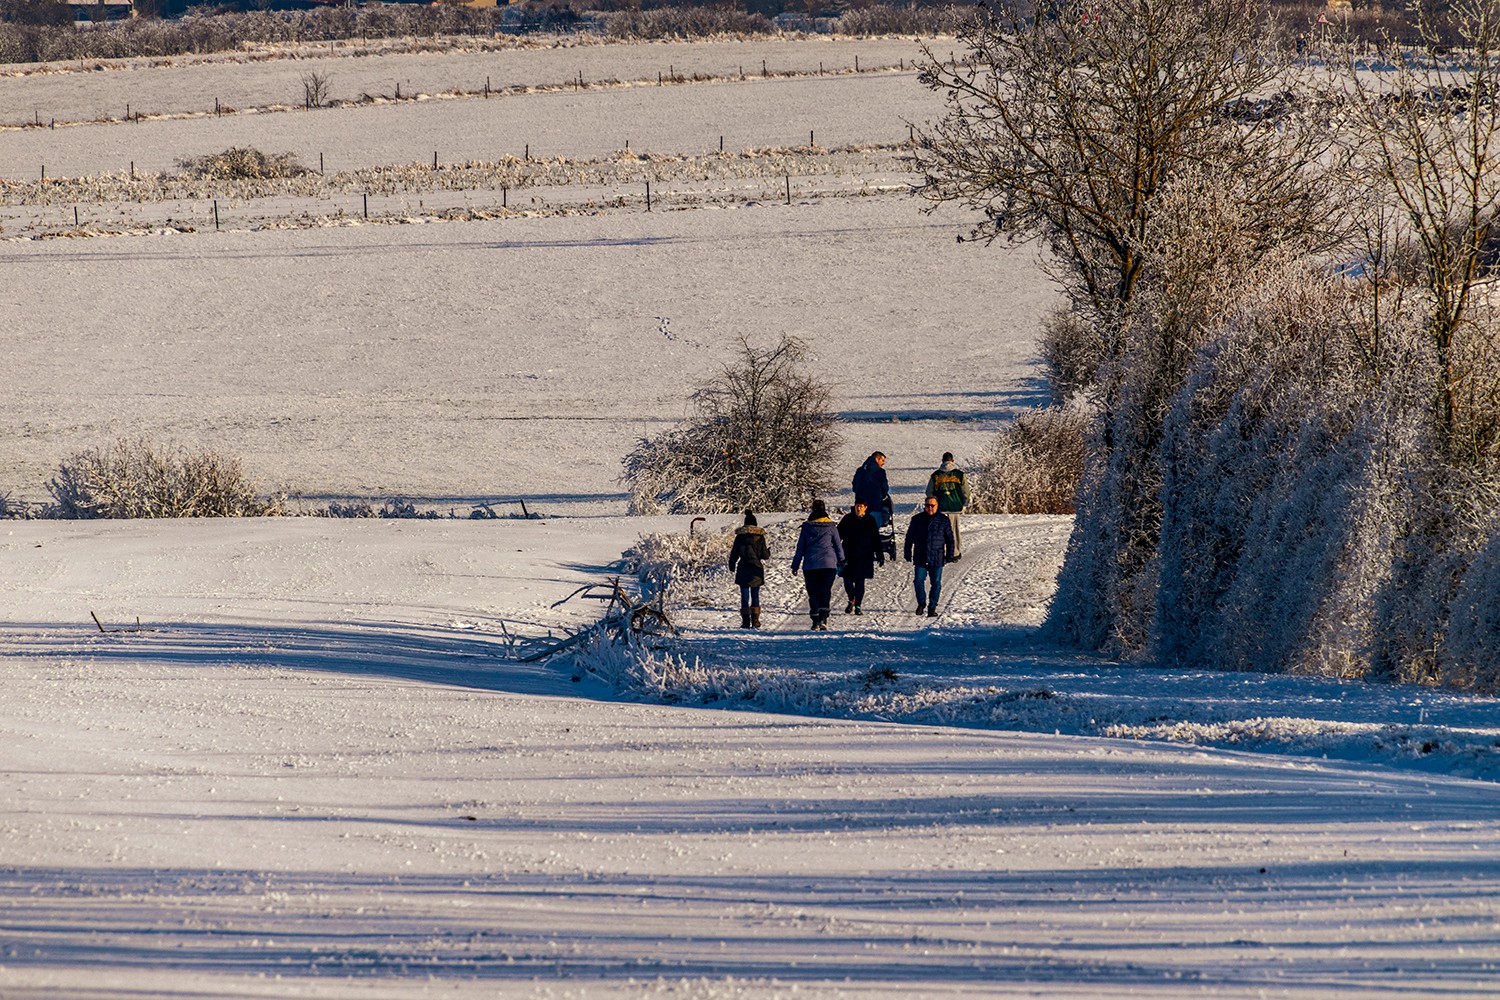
750	529
820	520
870	463
948	467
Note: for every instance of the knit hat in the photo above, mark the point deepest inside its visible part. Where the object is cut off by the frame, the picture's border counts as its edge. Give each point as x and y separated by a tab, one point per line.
750	519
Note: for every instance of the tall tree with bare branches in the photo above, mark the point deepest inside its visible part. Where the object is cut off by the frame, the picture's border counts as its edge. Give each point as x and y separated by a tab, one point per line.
1151	146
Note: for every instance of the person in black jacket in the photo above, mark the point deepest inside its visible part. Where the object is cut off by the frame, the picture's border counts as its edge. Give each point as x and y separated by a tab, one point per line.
930	539
871	485
862	551
750	552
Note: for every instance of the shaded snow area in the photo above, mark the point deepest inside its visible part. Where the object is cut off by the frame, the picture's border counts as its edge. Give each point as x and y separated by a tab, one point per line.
982	664
314	769
308	757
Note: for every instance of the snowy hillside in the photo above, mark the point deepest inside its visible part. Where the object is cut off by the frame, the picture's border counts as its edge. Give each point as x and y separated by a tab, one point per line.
303	757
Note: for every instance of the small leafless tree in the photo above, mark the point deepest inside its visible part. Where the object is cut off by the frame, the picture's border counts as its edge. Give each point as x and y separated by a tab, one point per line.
763	436
315	88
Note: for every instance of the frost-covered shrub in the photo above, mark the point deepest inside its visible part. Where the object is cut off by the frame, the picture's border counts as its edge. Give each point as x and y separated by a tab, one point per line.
1070	354
242	163
137	478
763	437
690	565
1034	465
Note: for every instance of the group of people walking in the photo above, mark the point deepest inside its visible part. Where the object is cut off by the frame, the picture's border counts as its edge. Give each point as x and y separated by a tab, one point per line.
855	546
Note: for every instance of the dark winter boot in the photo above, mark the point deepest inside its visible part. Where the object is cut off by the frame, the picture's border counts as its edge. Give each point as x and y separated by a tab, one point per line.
744	617
755	616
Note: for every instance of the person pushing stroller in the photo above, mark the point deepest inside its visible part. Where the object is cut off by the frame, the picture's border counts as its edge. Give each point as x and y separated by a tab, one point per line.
872	488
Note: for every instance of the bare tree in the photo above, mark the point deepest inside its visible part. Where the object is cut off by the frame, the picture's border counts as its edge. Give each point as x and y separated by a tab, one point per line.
1066	121
1427	123
315	88
763	436
1156	149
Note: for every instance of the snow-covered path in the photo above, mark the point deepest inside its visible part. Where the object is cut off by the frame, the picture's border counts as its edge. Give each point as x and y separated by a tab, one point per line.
342	791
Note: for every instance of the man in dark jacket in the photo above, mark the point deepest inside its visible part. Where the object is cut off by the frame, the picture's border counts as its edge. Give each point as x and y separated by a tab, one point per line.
930	540
871	486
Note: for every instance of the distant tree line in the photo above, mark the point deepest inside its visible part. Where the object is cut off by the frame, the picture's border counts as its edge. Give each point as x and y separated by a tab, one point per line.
43	30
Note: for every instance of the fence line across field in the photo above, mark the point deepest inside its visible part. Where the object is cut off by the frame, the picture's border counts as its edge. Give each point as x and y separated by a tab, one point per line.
526	156
397	206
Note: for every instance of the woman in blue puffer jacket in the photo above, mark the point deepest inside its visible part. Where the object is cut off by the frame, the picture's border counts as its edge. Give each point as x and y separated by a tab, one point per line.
820	555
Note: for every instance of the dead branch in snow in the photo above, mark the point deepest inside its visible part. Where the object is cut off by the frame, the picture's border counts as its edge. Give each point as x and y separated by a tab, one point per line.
623	614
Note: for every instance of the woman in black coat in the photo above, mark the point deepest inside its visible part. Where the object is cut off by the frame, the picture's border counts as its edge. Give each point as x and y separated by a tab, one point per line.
750	551
862	551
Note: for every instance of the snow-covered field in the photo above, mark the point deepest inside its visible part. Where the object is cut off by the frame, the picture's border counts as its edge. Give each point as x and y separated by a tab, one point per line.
316	768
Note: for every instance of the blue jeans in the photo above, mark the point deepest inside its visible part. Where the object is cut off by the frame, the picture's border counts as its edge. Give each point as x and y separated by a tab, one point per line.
936	572
749	597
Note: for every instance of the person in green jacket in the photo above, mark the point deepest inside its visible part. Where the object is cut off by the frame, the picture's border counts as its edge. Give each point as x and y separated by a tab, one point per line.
947	484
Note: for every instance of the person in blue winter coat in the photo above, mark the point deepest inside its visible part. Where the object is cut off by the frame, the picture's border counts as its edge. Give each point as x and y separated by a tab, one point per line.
820	555
930	540
871	487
